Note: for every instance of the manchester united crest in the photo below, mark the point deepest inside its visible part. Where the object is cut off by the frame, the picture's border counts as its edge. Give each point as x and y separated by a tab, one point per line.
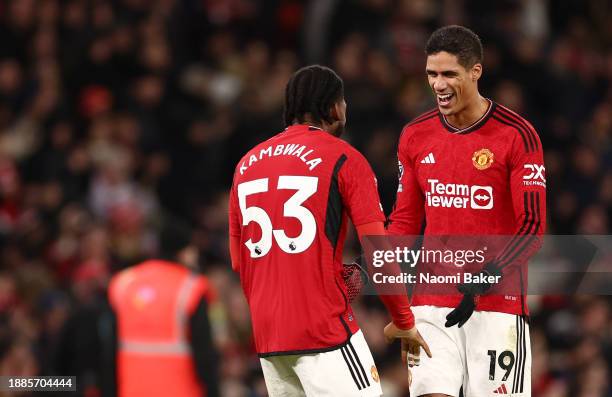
482	159
374	373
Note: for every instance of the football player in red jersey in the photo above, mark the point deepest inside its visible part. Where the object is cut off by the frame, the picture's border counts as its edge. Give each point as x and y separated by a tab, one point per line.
289	205
471	167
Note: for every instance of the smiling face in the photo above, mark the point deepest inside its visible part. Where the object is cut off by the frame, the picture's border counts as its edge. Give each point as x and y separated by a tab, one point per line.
454	86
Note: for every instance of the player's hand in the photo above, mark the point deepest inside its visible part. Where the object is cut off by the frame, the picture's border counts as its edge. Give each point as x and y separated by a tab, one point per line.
412	341
466	307
462	312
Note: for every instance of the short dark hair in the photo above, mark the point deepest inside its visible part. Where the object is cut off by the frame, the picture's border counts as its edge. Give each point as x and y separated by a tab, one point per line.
174	236
312	89
459	41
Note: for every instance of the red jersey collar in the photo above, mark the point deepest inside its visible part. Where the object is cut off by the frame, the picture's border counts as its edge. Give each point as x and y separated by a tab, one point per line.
476	125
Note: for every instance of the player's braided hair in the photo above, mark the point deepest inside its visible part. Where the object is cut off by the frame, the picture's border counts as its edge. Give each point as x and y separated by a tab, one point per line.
459	41
313	90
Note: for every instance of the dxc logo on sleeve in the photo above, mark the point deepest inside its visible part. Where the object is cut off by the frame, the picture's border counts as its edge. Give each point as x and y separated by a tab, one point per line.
535	175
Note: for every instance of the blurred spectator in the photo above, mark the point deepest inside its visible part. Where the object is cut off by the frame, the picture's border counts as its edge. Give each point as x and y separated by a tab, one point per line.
161	324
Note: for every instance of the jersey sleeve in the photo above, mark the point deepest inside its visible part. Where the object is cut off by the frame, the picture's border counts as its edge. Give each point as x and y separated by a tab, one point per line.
234	213
528	189
359	191
234	228
396	300
409	211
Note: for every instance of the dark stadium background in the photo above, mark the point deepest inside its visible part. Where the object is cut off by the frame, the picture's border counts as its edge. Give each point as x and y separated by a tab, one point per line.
116	113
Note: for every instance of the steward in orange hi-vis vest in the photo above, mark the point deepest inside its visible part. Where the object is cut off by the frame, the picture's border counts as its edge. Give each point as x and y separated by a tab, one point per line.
163	339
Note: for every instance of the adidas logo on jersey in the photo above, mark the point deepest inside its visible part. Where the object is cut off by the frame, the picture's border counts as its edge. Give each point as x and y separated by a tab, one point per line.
429	159
501	390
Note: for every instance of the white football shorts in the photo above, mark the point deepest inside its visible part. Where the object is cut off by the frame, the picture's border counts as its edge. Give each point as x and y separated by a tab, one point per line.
348	371
490	356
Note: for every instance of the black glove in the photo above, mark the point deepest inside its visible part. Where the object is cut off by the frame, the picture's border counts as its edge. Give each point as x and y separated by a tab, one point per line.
462	312
466	307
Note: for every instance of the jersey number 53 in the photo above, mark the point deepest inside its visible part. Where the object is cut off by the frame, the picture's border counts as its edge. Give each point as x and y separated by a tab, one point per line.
305	187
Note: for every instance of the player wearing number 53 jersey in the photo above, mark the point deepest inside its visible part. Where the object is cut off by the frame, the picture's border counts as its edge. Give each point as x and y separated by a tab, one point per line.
289	205
471	167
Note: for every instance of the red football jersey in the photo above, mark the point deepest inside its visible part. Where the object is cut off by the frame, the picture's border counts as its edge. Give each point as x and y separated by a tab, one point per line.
289	204
487	180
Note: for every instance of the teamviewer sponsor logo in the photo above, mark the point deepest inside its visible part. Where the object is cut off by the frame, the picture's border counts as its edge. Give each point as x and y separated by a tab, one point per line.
481	197
454	195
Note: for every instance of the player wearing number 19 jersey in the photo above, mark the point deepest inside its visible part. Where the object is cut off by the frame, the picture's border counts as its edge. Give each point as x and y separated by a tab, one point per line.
471	167
289	204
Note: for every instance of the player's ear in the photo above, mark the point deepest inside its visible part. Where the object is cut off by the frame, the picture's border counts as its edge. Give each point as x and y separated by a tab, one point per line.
338	111
334	112
476	71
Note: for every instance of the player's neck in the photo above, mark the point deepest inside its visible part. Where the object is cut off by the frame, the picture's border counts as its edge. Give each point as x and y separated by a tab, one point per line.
322	125
470	114
313	125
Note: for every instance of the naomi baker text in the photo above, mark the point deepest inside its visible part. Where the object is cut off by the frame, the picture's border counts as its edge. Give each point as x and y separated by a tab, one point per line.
426	278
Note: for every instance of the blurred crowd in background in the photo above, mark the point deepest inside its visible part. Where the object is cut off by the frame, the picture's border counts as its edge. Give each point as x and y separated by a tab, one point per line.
116	113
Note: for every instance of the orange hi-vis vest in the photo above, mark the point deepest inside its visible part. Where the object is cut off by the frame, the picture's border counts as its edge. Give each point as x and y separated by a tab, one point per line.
153	302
